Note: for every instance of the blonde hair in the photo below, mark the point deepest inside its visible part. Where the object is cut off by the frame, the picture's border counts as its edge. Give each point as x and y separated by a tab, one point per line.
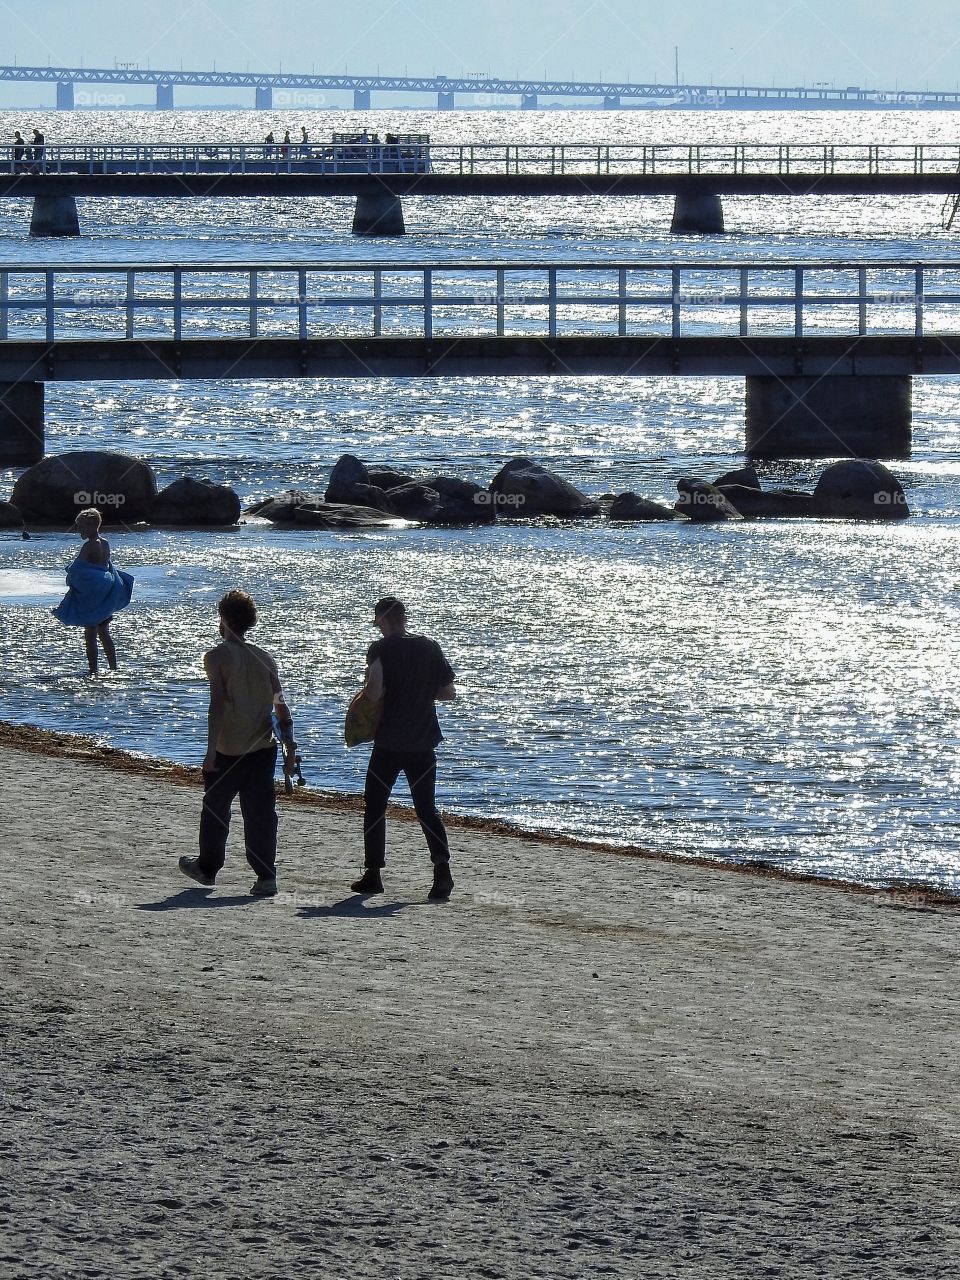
91	513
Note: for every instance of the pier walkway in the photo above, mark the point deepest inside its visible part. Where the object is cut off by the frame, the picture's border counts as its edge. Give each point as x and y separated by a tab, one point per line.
379	174
828	349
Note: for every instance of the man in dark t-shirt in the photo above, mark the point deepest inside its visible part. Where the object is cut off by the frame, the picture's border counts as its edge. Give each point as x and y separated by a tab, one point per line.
410	674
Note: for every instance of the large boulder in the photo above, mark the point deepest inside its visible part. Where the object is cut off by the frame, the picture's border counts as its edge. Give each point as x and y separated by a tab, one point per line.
757	504
703	502
525	488
341	515
56	489
387	477
347	472
746	476
415	500
195	502
281	508
859	490
11	517
461	501
629	506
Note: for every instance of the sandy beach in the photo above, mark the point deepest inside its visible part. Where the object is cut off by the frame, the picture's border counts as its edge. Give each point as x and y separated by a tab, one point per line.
583	1064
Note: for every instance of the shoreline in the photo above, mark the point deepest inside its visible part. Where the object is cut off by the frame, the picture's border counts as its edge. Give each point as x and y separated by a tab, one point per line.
58	744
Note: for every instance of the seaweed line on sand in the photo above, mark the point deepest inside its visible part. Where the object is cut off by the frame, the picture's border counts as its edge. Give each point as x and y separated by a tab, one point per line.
69	746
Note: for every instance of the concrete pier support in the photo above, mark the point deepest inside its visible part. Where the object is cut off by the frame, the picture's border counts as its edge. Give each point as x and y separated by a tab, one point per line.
65	95
361	99
445	100
164	96
851	416
611	102
54	216
696	214
379	215
264	97
21	423
529	102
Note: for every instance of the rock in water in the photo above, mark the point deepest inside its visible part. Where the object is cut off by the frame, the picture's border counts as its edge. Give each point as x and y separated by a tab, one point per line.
195	502
859	490
703	502
756	504
56	489
347	472
629	506
746	476
525	488
11	517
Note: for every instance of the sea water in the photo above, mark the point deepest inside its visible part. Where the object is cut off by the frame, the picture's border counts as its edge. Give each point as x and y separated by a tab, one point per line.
773	690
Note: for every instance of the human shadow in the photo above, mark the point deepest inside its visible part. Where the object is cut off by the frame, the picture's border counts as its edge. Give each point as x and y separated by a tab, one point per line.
354	908
192	898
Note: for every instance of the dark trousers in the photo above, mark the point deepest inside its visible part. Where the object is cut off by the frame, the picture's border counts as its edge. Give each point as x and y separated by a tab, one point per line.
420	770
251	778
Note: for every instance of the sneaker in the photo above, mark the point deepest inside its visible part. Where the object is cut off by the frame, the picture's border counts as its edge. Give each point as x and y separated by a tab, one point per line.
442	881
264	887
190	868
369	882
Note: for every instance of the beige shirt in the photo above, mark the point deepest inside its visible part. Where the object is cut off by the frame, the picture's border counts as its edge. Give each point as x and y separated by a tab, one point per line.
247	724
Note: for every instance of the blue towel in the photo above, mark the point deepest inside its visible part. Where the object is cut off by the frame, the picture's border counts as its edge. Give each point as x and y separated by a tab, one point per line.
96	592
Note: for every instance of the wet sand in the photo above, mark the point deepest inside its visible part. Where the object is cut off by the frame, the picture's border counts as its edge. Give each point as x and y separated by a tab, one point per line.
584	1064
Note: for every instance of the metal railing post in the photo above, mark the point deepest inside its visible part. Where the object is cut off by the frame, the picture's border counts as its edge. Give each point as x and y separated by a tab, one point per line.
428	304
798	303
918	301
252	299
675	302
862	300
302	304
177	304
131	284
552	301
4	305
622	303
49	305
744	301
501	300
377	302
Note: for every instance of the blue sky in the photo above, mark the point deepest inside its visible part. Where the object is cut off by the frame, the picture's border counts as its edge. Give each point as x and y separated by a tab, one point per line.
878	45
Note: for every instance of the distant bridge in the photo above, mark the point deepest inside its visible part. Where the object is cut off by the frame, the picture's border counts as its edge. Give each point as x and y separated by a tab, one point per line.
828	349
449	92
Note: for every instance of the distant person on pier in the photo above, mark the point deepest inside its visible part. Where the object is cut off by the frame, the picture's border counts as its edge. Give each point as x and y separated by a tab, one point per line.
269	144
304	149
285	145
38	150
19	151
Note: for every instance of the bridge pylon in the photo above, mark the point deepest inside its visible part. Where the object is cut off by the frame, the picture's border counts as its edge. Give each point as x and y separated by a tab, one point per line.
361	99
164	95
264	97
65	95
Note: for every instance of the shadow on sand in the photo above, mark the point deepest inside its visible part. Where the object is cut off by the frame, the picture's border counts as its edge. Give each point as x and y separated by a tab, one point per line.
198	897
355	908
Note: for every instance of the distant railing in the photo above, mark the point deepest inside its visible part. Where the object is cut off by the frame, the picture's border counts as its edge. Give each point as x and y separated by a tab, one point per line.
301	301
494	159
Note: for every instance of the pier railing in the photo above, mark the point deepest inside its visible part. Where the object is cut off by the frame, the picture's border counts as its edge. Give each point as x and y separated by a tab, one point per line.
301	301
492	159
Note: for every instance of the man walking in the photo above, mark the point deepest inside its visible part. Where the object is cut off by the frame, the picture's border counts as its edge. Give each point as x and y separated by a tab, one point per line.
409	673
241	754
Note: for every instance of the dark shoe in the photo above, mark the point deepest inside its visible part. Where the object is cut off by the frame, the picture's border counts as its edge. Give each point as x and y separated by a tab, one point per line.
264	887
369	882
442	881
190	868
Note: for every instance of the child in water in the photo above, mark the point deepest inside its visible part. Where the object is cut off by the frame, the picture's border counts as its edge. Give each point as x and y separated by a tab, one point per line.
96	591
